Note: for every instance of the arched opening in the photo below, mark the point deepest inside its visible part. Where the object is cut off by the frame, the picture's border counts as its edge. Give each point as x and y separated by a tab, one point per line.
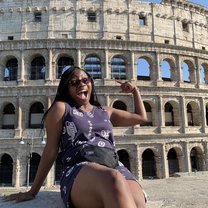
143	69
166	72
36	114
34	162
124	158
169	116
119	105
202	75
190	115
148	164
38	68
148	109
93	66
64	63
186	73
196	159
10	72
6	170
173	162
118	68
206	110
8	117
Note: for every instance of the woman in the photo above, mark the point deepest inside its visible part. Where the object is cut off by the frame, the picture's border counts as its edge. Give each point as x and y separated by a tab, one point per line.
75	123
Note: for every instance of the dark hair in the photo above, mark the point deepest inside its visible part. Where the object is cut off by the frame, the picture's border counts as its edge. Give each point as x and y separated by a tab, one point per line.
62	90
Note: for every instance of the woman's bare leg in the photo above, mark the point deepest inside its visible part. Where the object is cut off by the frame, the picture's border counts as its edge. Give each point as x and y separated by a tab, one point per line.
97	186
137	193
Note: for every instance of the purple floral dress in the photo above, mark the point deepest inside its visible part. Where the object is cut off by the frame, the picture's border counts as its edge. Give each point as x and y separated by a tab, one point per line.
83	128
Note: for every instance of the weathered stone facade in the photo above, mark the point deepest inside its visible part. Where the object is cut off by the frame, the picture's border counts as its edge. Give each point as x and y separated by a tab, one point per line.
41	33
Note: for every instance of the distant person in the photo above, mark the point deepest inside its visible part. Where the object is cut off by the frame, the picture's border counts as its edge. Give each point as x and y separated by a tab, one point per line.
82	129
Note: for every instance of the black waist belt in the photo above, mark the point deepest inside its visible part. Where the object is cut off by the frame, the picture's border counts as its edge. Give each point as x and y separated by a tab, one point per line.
101	155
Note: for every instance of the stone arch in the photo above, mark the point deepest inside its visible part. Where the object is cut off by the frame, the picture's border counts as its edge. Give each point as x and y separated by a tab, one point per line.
124	100
63	63
124	158
92	64
30	56
172	70
118	104
118	67
36	112
172	113
196	159
205	73
33	167
191	76
149	169
11	70
8	116
148	74
6	170
193	114
174	157
7	68
206	113
38	68
148	108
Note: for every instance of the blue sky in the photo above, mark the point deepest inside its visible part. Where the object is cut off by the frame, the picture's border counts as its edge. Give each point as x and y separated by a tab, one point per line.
201	2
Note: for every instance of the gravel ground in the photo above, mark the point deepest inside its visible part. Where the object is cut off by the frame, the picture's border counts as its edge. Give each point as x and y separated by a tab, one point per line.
178	192
185	191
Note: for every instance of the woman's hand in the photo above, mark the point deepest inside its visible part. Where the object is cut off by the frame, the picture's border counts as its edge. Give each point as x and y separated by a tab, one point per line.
19	197
126	87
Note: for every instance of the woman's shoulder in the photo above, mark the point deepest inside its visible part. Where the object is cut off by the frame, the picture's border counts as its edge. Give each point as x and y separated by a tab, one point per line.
58	107
57	110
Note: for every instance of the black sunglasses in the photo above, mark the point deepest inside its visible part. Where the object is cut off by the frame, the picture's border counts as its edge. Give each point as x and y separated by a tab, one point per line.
77	82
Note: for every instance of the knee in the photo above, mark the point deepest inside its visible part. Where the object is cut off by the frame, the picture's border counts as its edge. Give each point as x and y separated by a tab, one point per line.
115	181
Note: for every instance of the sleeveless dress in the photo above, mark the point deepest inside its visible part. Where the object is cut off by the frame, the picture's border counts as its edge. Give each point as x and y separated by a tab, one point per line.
84	128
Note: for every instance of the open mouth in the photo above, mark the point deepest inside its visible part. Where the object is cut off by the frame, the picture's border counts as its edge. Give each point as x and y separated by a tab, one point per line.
83	94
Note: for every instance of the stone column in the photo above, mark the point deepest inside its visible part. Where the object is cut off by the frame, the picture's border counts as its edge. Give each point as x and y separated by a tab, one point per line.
206	155
180	71
203	114
159	166
79	61
157	68
107	100
138	166
165	162
184	119
106	65
49	102
19	117
133	69
198	76
17	171
49	179
187	158
49	69
19	113
22	76
161	118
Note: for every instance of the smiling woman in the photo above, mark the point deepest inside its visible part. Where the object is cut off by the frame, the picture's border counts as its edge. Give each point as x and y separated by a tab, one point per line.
82	129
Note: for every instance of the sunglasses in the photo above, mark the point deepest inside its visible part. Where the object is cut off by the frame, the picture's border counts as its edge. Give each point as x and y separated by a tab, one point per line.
77	82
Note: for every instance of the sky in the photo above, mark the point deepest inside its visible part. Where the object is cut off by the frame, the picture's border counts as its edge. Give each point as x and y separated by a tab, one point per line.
201	2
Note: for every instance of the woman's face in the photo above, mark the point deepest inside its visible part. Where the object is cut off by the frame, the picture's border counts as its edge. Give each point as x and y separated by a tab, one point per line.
80	87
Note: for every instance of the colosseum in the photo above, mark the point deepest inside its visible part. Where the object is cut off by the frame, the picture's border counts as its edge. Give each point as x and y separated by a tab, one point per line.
162	48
